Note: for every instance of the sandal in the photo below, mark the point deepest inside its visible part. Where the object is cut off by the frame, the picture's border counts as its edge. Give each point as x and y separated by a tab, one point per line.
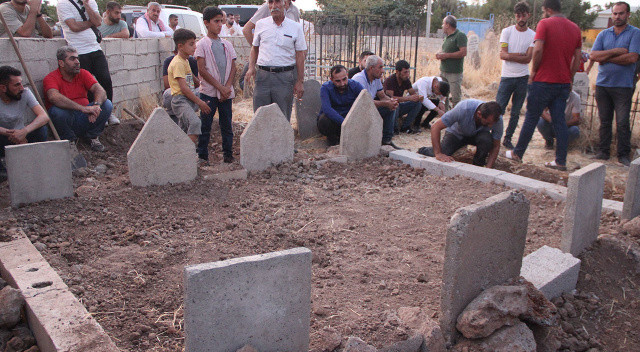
553	165
509	154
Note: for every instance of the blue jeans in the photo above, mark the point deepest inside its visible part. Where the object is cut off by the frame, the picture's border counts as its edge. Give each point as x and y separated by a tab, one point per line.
516	89
388	122
409	108
226	130
546	130
38	135
72	124
543	95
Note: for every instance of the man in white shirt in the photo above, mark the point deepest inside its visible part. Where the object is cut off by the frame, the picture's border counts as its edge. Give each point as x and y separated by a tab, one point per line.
434	90
516	48
231	28
277	60
150	25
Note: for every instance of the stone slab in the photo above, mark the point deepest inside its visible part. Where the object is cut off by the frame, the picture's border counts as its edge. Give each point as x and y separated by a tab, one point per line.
39	171
228	175
162	153
484	247
520	182
267	140
434	166
307	110
361	133
612	205
583	208
262	300
408	157
631	206
478	173
551	271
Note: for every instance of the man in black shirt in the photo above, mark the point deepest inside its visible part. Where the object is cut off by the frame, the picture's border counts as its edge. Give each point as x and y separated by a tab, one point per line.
363	58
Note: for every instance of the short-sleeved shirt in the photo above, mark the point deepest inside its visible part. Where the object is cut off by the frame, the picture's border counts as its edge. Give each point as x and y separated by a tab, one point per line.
263	12
391	83
561	39
75	90
179	68
15	20
278	44
109	29
336	105
12	114
573	105
193	63
614	75
372	87
84	41
516	42
424	87
452	43
460	121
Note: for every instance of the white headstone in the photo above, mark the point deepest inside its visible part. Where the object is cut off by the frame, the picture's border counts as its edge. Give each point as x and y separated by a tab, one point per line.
581	86
162	153
307	110
267	140
631	205
361	135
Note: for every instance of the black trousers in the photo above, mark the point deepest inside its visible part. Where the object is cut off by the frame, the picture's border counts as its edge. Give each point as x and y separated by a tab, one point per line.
432	115
618	100
96	63
328	128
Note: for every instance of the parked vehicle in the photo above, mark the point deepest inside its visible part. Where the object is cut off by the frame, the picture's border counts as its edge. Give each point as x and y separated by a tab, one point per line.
245	11
187	18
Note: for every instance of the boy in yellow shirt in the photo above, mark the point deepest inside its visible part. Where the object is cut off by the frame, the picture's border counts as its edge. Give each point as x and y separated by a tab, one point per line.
184	102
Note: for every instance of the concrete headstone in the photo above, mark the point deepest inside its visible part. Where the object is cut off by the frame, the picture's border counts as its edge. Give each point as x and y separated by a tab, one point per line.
583	208
361	133
581	86
484	247
262	300
631	204
307	110
39	171
551	271
162	153
267	140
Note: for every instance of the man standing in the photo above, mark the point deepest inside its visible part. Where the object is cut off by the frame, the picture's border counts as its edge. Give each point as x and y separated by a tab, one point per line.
369	78
616	50
278	48
173	22
230	28
264	11
363	59
556	57
24	19
150	25
516	48
454	49
337	96
112	25
395	86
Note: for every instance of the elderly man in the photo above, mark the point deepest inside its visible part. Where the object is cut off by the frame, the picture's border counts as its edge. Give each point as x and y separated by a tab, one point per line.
112	25
337	96
277	60
230	28
616	49
24	19
470	122
369	78
264	11
434	90
395	86
454	49
66	92
150	25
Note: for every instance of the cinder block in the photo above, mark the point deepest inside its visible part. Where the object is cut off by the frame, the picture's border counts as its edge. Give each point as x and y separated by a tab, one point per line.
436	167
165	45
31	48
130	62
520	182
112	46
614	206
128	46
131	91
551	271
556	192
631	206
479	173
141	46
7	50
152	45
115	61
16	253
120	78
38	70
407	157
118	95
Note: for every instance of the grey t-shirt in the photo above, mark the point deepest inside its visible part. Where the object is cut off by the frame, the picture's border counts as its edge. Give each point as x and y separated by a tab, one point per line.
221	59
109	29
460	121
573	106
15	20
12	115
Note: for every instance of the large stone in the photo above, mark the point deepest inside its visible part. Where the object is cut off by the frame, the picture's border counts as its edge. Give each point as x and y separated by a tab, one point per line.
516	338
162	153
583	208
11	302
355	344
551	271
39	171
484	247
267	140
262	300
361	135
307	110
631	204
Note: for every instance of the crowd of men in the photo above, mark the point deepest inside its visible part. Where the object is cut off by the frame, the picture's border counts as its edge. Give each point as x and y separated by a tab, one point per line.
537	66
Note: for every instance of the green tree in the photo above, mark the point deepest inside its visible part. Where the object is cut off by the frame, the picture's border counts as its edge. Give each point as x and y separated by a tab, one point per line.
634	19
440	8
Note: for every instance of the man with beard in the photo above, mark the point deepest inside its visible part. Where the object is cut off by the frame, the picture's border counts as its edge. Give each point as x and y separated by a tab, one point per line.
616	50
230	28
112	25
337	96
66	92
24	19
150	25
173	22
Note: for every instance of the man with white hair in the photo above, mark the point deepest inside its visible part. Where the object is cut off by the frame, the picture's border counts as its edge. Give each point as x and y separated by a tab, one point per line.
150	25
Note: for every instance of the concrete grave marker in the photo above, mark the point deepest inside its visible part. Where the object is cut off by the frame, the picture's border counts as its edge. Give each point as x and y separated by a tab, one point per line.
307	110
551	271
39	171
581	86
484	247
262	300
583	208
162	153
631	205
361	135
267	140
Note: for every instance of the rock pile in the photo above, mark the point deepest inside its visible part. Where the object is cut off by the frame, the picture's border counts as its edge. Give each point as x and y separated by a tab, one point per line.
15	335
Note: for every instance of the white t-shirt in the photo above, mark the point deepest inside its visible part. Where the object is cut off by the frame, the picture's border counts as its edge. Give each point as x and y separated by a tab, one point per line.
235	30
278	44
142	28
424	87
517	42
84	41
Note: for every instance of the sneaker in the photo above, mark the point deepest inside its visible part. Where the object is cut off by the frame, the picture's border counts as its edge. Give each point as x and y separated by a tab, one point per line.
392	145
555	166
601	156
228	159
507	144
428	151
624	160
113	120
96	145
548	144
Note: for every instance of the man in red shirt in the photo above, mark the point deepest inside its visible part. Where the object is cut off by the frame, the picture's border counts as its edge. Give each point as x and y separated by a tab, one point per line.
69	108
556	57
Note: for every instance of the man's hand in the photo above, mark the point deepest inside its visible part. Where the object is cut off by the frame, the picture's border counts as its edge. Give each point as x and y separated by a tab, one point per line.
416	98
34	6
225	93
391	104
204	107
298	89
440	55
92	112
251	72
444	158
531	77
17	136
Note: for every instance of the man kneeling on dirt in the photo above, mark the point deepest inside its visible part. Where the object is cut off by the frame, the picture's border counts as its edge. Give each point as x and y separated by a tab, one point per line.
470	122
337	97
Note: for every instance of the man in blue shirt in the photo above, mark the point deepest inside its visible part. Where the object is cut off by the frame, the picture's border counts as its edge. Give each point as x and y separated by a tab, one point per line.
616	50
470	122
337	97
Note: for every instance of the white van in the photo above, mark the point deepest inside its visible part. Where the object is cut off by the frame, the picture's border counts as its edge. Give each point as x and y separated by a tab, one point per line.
187	18
245	11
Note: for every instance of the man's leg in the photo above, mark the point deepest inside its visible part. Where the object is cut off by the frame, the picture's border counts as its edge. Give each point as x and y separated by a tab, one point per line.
411	108
546	130
388	122
63	120
455	82
556	109
4	141
484	143
282	91
574	133
604	101
450	143
225	117
328	128
537	99
38	135
189	120
517	100
94	129
205	128
262	89
622	105
96	63
505	90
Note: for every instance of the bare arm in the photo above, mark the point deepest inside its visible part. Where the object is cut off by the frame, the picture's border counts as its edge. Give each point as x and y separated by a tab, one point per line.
93	16
455	55
191	96
575	120
575	64
247	31
45	30
606	55
624	59
20	136
77	26
56	98
298	87
591	62
123	34
536	58
493	154
436	129
253	57
30	24
99	94
516	57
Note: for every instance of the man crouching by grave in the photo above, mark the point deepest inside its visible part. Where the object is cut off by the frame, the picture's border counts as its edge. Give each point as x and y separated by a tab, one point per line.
470	122
337	96
67	98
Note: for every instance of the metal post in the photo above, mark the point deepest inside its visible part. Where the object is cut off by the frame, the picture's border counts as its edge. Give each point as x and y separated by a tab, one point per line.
428	18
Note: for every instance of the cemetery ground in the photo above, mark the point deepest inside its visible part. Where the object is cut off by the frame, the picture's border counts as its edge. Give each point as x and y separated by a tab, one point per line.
376	229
